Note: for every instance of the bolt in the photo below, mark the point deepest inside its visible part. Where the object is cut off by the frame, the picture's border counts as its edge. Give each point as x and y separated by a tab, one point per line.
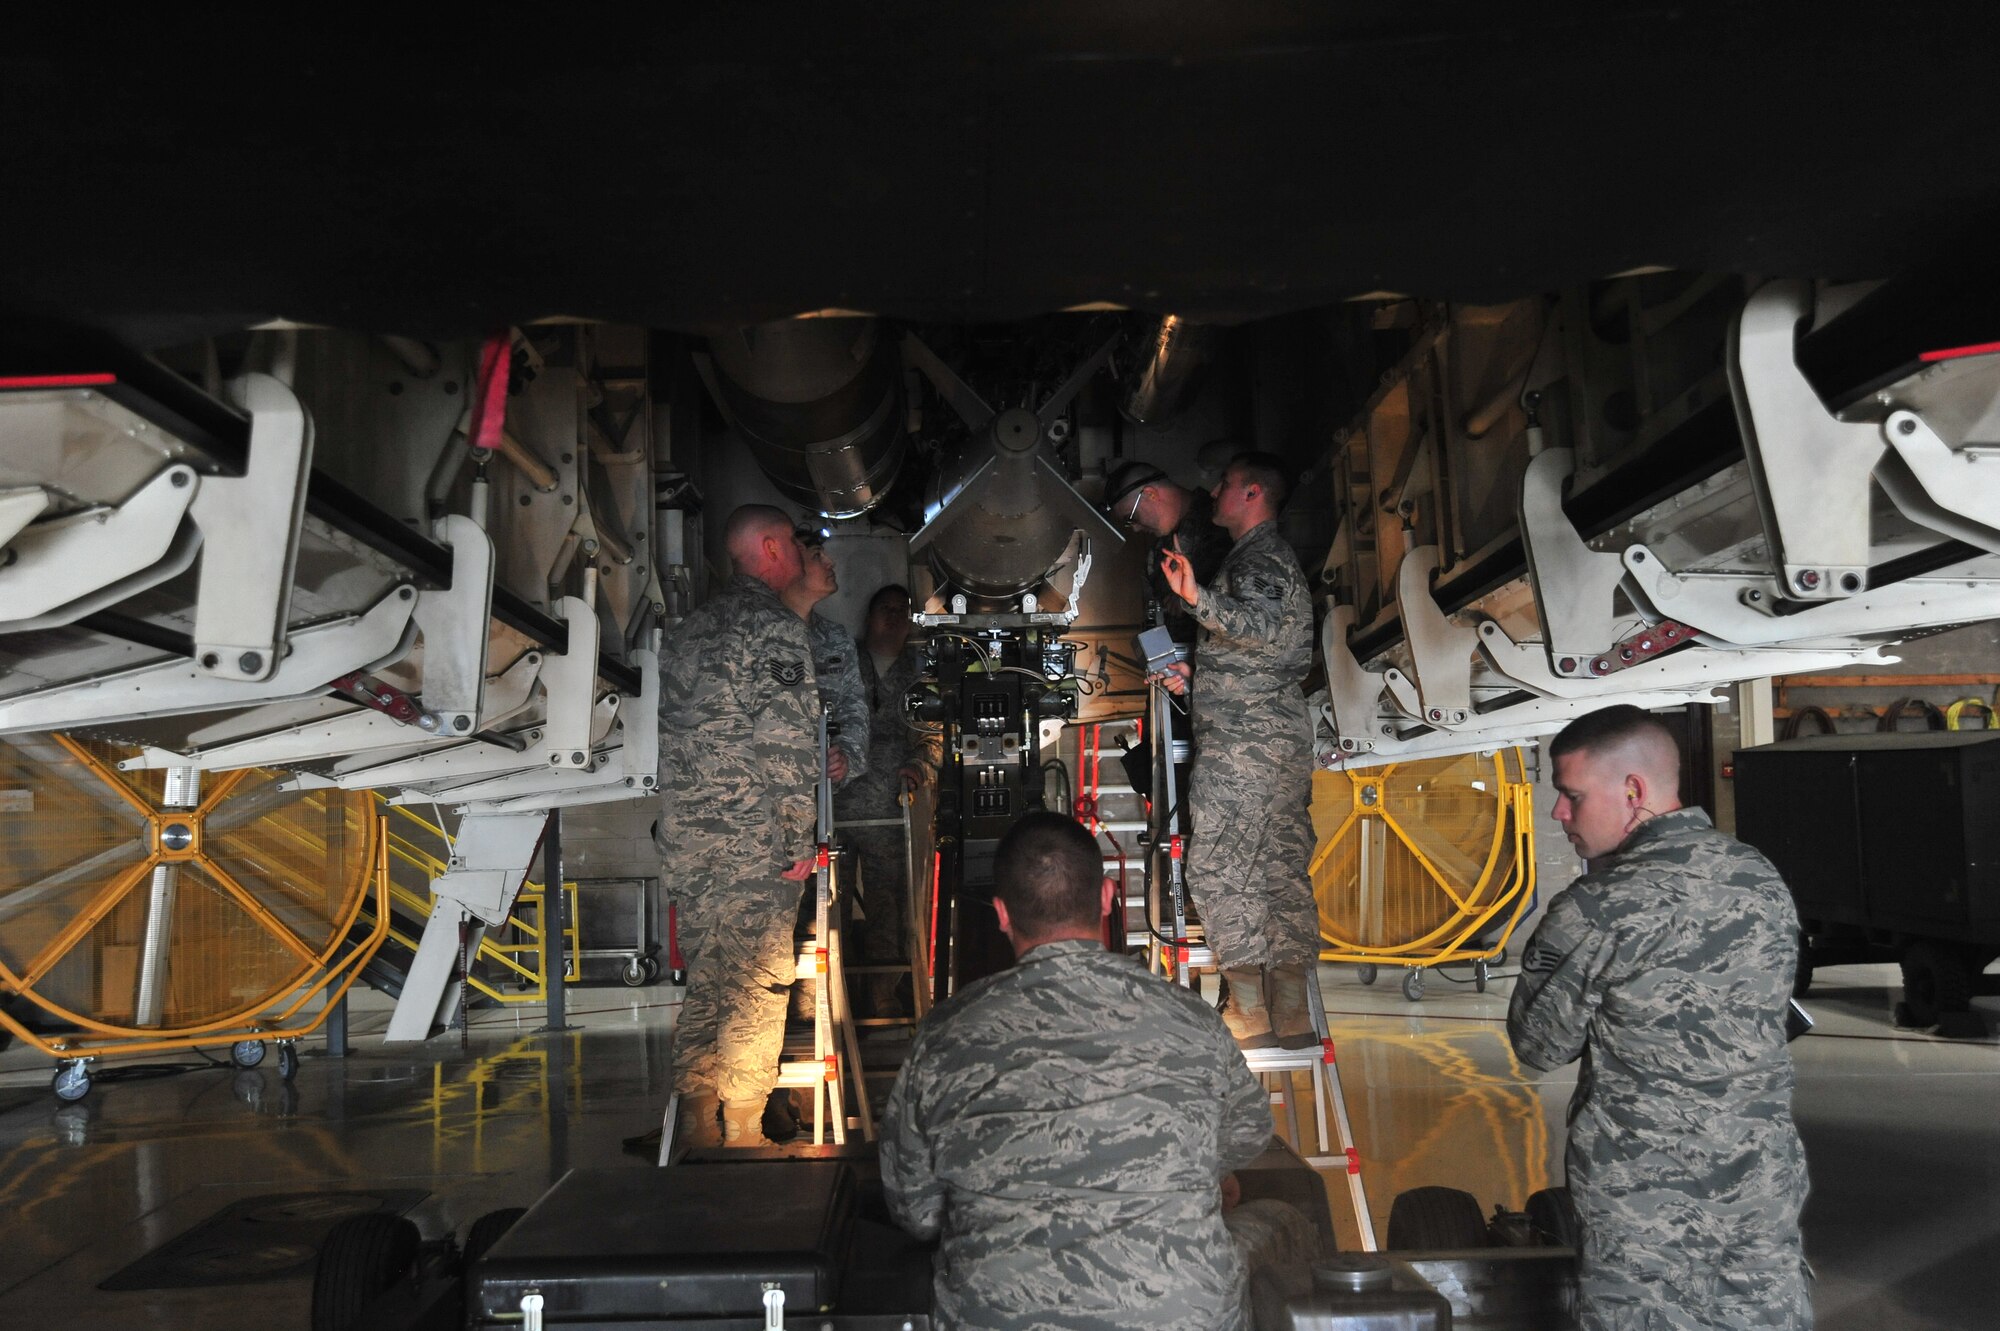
1600	666
1670	633
1850	582
427	722
179	480
250	662
1626	653
404	593
1756	596
569	499
1638	556
1436	715
1808	579
1567	664
1645	644
461	723
577	758
555	758
569	457
526	500
1906	426
209	660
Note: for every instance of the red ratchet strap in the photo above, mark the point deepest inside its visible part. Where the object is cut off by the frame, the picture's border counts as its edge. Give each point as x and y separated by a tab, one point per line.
1353	1160
489	415
58	381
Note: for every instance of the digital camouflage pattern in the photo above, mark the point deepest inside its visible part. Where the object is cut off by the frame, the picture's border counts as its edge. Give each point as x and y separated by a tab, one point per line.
1253	762
1667	969
892	743
837	667
1062	1128
739	756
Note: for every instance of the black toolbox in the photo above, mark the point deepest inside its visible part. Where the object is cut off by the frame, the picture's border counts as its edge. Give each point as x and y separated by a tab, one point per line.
630	1247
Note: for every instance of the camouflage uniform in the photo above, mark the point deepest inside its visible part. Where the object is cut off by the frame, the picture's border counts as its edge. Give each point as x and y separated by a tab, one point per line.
739	755
891	745
1253	761
1063	1126
837	667
1667	968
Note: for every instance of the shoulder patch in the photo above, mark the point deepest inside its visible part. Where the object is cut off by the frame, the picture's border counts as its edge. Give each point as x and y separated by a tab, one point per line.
788	673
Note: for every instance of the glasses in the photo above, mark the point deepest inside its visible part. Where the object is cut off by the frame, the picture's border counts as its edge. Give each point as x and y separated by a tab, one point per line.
1138	498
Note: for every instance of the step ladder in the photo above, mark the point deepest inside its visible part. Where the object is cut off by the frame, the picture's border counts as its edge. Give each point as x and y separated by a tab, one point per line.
1277	1068
915	918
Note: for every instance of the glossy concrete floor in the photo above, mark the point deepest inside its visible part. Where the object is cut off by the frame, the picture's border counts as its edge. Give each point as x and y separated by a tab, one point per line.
1903	1132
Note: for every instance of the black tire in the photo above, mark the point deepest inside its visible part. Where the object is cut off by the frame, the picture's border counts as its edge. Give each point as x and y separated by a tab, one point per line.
1413	984
479	1240
1936	980
677	977
1365	973
288	1062
1479	976
1553	1216
247	1053
1436	1220
362	1258
633	973
652	965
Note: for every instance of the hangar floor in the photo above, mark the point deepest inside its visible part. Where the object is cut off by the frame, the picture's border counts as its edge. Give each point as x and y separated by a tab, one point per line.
1903	1225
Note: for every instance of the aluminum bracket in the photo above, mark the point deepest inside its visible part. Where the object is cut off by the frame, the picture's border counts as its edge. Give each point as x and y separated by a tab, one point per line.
1960	487
1440	649
314	656
1811	471
250	537
456	626
1574	585
1352	693
570	677
63	561
1693	666
1732	610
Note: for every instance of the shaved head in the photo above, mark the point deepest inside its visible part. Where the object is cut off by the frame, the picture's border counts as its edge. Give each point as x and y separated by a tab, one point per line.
1613	769
762	545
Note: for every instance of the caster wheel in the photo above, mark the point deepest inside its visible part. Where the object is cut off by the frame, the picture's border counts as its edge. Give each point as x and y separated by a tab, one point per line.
1366	974
677	977
247	1053
72	1081
652	969
288	1062
1500	958
1479	976
1413	984
633	973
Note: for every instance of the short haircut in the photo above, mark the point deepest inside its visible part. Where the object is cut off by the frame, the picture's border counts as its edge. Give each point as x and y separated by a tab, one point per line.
1266	471
746	529
1616	727
1050	872
886	590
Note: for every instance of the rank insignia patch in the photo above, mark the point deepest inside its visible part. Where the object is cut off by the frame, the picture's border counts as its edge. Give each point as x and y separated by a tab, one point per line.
787	673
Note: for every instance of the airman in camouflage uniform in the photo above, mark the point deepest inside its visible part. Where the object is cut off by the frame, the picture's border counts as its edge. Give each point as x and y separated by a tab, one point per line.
1071	1165
1253	765
1667	969
899	758
837	668
739	718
